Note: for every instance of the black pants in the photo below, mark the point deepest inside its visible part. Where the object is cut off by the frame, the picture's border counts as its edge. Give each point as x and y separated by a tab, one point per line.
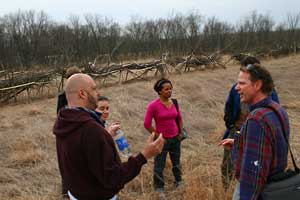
173	147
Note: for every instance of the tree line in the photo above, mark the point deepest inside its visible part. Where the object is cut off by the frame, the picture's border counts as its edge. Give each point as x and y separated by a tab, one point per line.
31	38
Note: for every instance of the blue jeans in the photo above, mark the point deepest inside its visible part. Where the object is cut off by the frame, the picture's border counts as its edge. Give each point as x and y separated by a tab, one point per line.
173	147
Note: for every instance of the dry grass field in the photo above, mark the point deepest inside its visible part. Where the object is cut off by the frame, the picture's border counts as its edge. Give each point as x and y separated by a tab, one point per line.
28	165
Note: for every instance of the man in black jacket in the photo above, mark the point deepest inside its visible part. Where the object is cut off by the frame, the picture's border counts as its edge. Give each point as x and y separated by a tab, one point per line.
87	156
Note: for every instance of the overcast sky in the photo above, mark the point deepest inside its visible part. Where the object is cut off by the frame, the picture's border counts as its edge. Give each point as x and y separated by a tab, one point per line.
123	10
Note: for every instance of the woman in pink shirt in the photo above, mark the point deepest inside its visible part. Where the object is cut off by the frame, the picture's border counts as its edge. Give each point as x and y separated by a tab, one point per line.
165	114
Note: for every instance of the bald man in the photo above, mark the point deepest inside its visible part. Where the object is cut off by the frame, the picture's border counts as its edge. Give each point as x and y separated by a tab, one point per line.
87	156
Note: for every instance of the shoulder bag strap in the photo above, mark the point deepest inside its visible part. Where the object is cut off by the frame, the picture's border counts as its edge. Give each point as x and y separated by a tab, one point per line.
176	106
285	136
175	103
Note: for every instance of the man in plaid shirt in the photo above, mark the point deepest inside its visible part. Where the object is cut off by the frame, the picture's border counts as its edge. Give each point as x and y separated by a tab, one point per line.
260	149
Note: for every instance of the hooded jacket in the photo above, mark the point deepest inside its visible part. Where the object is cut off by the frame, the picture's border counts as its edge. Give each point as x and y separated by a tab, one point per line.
87	156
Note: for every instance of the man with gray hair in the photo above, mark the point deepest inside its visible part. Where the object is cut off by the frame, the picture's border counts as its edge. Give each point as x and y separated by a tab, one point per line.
88	160
260	149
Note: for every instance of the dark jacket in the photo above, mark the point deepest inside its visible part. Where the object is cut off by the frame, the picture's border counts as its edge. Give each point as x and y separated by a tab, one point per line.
87	156
233	108
61	101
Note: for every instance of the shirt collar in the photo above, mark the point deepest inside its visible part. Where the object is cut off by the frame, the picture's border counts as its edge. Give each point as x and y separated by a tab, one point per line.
94	114
263	103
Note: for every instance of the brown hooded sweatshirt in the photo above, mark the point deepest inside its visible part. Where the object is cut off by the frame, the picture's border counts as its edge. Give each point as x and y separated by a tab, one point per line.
87	156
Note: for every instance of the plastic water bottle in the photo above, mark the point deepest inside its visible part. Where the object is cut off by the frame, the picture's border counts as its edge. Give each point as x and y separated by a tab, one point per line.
122	143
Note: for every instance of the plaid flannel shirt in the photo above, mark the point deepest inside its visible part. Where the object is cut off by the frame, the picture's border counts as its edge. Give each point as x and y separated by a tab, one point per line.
260	149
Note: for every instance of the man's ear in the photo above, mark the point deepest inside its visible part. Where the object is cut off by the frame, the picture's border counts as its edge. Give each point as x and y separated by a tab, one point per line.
258	85
81	94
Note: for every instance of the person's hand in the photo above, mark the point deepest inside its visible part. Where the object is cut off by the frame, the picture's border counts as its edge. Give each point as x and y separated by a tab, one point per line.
153	148
227	143
112	129
180	136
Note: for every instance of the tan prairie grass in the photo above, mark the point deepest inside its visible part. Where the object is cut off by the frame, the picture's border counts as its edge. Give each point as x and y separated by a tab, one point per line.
28	161
25	155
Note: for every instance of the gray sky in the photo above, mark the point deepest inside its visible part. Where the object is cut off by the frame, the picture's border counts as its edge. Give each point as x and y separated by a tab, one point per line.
122	11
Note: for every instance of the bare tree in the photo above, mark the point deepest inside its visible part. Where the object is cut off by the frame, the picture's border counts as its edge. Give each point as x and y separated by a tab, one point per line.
293	23
30	38
194	23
